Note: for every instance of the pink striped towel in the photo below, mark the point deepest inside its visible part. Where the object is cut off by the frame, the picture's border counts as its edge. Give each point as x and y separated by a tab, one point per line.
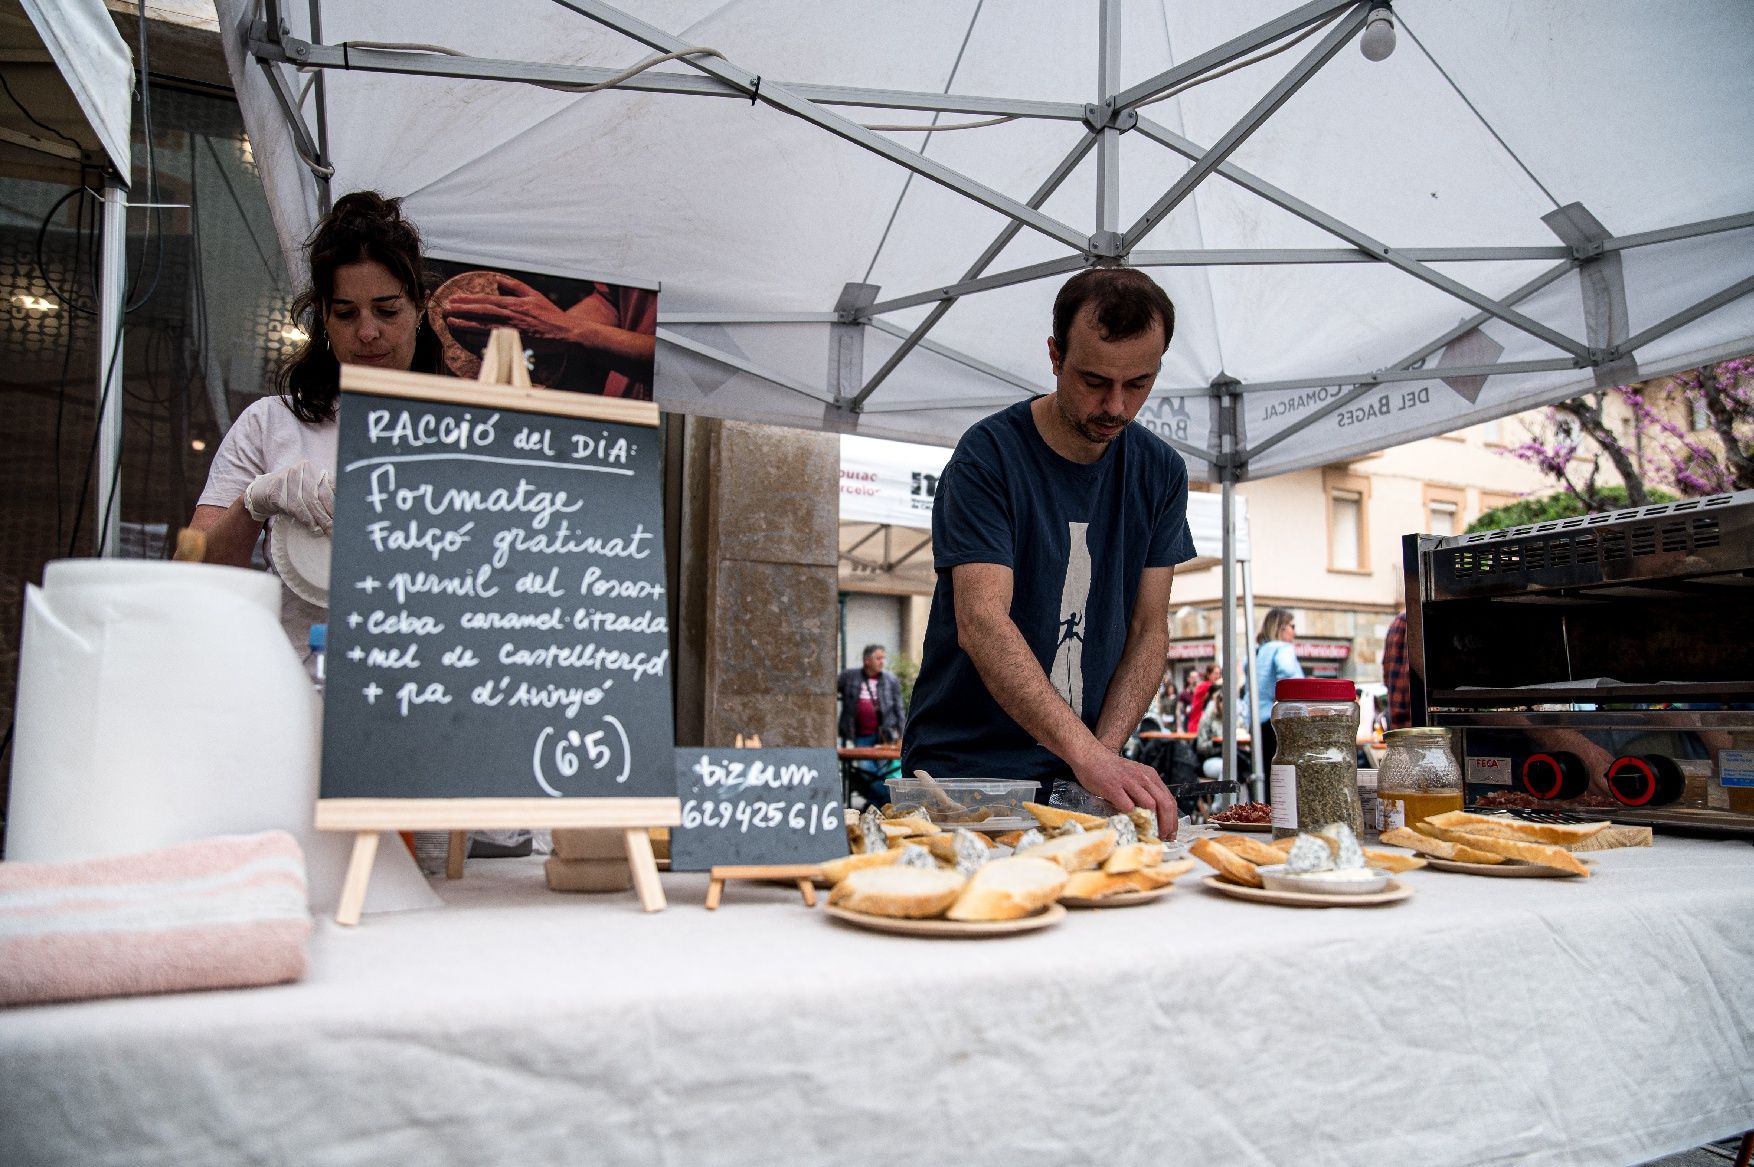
220	913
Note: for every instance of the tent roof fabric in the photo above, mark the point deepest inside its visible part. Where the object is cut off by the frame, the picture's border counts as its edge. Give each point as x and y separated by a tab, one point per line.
1504	212
94	63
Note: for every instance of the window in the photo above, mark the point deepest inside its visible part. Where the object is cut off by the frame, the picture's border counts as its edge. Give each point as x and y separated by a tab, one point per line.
1444	506
1348	522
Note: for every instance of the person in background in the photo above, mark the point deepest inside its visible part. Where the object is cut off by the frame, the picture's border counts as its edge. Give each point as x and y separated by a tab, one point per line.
276	465
871	713
1394	673
1185	703
1208	684
1209	738
1275	661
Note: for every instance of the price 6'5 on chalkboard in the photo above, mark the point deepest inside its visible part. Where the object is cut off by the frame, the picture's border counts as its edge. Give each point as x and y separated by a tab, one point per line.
755	807
498	649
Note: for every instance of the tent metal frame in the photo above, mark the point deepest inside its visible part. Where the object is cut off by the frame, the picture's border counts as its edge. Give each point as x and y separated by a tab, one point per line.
1115	112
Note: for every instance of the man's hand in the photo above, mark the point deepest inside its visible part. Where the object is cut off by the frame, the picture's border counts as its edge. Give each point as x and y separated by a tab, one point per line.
302	492
1126	784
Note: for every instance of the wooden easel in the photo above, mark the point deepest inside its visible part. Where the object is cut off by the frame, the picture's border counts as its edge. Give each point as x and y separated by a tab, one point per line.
502	366
801	874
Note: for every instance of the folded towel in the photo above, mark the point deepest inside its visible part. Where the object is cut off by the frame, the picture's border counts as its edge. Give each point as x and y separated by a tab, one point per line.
220	913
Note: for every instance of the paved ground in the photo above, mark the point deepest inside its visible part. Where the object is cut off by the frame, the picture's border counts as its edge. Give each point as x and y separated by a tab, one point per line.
1714	1155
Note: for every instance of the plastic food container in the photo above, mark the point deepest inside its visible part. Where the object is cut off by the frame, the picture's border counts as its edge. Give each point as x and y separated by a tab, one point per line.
966	801
1314	774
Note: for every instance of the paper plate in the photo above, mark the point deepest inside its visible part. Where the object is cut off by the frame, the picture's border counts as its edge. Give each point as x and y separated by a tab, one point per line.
1509	869
302	559
1393	893
950	929
1122	899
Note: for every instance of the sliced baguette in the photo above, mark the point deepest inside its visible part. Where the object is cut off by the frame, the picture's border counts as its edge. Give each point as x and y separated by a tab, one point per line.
1009	889
836	870
908	893
1133	857
915	824
1164	874
1226	862
1540	854
1392	860
1516	829
1053	816
1145	821
1425	844
1078	852
1254	850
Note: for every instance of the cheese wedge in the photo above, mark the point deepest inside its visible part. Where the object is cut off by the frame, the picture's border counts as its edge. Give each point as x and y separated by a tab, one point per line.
1009	889
1414	841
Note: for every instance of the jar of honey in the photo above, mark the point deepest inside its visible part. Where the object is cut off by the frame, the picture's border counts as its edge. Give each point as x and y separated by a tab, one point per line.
1418	778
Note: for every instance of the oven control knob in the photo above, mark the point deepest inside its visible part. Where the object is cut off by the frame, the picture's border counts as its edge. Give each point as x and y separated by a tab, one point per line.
1555	775
1645	780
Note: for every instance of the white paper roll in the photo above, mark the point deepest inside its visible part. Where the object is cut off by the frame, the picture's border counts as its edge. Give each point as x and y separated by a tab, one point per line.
160	703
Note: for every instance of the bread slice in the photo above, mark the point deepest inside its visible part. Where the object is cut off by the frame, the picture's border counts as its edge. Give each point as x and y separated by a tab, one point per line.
943	846
914	824
836	870
1009	838
1254	850
1541	854
907	893
1164	874
1614	837
1392	860
1509	828
1460	853
1009	889
1078	852
1096	885
1227	862
1053	816
1133	857
1145	822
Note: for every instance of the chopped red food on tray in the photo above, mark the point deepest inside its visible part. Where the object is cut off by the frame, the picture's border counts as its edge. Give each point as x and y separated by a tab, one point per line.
1245	812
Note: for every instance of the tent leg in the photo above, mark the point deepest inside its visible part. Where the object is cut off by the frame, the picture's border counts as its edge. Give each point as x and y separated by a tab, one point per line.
112	276
1227	628
1257	764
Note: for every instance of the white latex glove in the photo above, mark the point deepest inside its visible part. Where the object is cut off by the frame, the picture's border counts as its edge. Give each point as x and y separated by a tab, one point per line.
302	492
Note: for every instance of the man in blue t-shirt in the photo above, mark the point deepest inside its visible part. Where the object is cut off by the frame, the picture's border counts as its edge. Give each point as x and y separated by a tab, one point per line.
1056	531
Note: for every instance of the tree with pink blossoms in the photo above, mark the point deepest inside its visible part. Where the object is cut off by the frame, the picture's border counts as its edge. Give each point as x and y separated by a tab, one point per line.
1659	450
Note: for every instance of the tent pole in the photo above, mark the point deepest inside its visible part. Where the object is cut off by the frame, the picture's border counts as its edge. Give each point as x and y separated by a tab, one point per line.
1257	764
1108	139
113	270
324	201
1227	629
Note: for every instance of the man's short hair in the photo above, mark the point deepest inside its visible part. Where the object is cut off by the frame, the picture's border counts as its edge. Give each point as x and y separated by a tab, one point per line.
871	648
1125	300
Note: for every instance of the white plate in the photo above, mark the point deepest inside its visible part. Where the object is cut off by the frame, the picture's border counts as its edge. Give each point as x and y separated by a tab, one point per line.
1121	899
302	559
1394	893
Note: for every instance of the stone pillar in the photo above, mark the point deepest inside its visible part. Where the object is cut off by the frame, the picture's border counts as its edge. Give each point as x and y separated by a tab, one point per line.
755	524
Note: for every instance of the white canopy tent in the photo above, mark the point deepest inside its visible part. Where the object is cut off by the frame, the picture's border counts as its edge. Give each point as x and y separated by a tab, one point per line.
860	213
86	89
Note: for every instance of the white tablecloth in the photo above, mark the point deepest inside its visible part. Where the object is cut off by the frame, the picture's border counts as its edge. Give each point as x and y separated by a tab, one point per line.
1485	1021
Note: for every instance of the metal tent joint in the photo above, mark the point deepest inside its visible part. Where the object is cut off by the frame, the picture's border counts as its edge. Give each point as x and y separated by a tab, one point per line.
1108	116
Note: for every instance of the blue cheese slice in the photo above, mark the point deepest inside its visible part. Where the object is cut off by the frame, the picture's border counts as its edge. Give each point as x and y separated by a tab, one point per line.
1350	856
915	856
1125	829
970	853
1028	839
1069	827
1308	855
871	831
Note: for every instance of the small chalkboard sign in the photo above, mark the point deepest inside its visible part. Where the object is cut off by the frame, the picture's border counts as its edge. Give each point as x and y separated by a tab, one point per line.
498	647
745	808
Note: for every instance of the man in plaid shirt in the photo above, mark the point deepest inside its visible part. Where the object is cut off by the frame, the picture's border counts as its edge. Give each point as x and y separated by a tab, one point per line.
1394	673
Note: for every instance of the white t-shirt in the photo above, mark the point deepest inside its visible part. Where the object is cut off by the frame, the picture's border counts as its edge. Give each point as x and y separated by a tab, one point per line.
269	436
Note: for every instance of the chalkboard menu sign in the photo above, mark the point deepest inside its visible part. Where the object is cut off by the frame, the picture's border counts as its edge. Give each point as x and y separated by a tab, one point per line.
497	613
749	807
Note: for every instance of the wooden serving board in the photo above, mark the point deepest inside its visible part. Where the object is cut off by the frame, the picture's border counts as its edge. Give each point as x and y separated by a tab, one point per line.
1395	892
949	929
1509	869
1122	899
